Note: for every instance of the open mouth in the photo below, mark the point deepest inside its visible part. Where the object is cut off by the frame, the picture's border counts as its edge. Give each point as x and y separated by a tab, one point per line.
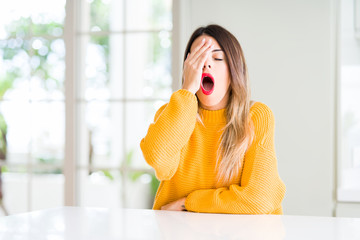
207	83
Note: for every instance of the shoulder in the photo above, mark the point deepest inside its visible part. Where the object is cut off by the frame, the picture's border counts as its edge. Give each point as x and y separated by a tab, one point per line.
180	99
260	112
263	119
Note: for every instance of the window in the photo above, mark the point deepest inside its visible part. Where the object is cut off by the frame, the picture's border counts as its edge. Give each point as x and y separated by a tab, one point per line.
349	99
32	104
122	75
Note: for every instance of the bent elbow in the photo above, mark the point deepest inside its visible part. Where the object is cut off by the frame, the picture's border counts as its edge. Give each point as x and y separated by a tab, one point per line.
268	201
164	166
164	176
274	198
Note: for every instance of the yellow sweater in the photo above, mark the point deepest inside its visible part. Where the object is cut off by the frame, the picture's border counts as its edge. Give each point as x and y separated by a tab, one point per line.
183	153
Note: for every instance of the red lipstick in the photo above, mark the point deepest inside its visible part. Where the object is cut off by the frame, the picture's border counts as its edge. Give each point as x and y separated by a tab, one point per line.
207	83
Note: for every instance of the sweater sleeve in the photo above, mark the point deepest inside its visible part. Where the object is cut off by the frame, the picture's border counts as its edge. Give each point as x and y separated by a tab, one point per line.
167	135
261	190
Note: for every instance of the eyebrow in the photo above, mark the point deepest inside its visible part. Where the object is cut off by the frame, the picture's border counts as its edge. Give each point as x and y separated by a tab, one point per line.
217	50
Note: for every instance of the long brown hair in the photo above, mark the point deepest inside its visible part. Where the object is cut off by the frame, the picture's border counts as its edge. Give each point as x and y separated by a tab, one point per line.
238	132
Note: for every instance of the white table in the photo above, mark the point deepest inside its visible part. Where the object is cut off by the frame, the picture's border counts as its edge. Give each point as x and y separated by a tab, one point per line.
72	223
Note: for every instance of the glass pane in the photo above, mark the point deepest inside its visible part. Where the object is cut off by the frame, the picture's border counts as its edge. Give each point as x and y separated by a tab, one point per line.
47	68
15	190
14	20
101	135
140	189
47	191
148	65
48	132
349	136
350	114
153	14
102	15
97	68
138	118
14	119
15	68
47	17
100	189
108	15
103	12
103	67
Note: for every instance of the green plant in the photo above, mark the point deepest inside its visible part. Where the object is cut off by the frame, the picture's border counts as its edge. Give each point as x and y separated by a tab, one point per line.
3	142
6	83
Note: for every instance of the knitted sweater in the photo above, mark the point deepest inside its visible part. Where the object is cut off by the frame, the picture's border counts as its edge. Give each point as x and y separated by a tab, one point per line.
183	153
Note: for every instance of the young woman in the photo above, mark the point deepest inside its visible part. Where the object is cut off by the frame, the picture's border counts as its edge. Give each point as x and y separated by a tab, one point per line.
211	147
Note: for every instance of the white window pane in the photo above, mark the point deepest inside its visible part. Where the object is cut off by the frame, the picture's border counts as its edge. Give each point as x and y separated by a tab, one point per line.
148	65
32	68
349	137
40	12
100	189
47	17
153	14
14	21
47	131
15	70
100	15
139	191
47	191
96	68
138	118
115	83
15	191
105	15
350	114
47	68
116	66
16	119
101	135
103	67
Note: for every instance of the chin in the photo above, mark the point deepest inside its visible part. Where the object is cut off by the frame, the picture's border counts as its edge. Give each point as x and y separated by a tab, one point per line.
208	101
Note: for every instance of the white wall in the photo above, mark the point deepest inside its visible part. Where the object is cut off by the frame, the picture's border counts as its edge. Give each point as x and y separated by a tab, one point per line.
290	50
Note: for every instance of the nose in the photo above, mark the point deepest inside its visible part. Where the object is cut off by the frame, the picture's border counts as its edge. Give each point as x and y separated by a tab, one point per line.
207	65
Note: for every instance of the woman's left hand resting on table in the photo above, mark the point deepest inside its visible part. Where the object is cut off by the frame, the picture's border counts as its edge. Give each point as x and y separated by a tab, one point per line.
178	205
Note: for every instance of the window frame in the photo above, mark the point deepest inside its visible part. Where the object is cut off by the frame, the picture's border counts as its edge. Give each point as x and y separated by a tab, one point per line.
72	35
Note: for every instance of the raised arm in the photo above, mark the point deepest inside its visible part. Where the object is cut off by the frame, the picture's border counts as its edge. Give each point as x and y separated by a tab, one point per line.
171	130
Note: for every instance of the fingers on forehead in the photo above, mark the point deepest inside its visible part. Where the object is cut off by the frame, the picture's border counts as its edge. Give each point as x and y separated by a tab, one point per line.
197	44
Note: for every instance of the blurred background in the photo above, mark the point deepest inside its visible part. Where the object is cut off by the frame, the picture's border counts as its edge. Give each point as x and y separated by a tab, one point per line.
81	80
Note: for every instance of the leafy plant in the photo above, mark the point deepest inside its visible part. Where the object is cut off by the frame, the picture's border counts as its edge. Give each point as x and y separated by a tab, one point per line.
3	142
5	84
108	174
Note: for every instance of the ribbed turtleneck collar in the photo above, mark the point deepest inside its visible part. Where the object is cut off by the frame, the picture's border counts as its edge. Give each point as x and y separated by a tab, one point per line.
213	116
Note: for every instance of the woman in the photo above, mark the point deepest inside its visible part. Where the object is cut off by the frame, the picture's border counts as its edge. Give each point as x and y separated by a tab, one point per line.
211	147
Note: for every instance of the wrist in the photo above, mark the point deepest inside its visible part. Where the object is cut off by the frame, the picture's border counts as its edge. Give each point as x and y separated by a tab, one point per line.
190	89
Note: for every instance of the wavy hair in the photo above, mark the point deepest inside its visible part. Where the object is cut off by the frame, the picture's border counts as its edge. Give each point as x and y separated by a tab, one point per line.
238	132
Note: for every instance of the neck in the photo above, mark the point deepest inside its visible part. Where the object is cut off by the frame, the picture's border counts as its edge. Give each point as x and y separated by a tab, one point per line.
220	105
